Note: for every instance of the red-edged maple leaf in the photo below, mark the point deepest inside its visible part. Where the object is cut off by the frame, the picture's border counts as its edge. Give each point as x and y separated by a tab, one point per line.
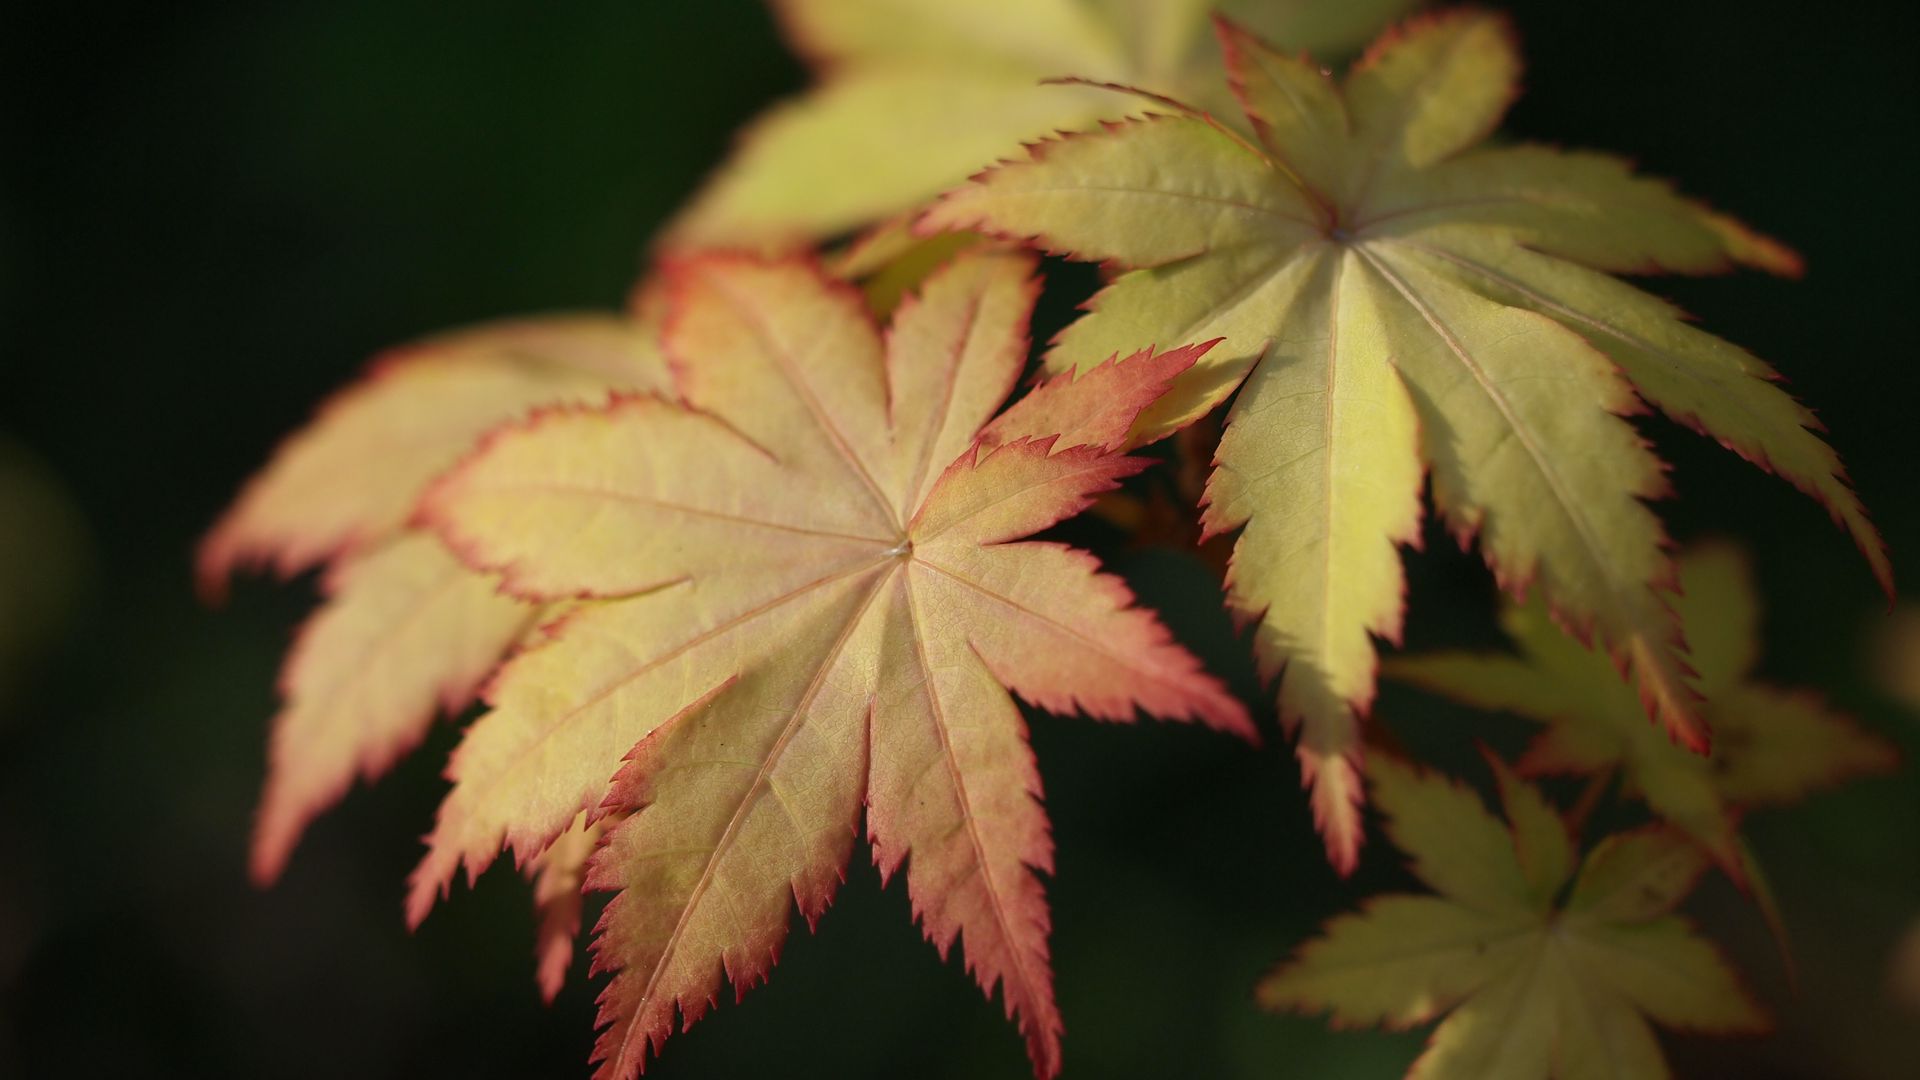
809	599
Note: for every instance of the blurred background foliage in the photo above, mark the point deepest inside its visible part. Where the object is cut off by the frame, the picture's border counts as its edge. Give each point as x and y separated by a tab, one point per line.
210	212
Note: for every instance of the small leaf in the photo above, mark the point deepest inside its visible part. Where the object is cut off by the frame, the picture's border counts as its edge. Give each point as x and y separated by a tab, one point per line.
1529	991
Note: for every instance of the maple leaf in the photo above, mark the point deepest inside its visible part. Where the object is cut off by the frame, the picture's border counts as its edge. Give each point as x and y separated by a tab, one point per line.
808	600
406	630
1532	986
1771	745
1404	303
913	95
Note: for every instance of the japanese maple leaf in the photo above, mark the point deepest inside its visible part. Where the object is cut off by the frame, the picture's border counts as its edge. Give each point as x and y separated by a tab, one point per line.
1532	985
1410	303
913	95
810	599
406	629
1771	745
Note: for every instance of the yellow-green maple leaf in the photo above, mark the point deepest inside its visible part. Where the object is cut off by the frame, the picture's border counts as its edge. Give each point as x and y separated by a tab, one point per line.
1771	745
914	95
1532	986
811	600
1405	303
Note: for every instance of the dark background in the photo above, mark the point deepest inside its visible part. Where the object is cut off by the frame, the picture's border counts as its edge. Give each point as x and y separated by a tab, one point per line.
211	212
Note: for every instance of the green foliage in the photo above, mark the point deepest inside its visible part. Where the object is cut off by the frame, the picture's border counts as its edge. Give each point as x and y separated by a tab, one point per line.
1544	968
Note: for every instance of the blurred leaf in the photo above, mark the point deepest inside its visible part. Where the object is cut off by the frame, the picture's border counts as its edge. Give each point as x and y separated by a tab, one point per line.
916	94
1771	745
1531	987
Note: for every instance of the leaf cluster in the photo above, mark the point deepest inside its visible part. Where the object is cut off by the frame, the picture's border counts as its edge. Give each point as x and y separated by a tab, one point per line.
746	572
